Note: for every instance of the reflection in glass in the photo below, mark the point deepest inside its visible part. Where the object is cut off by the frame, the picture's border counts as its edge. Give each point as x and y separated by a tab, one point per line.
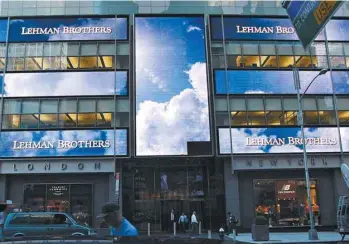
327	117
256	118
106	62
286	61
275	117
52	63
33	63
239	118
269	62
48	120
34	199
338	62
311	117
15	64
72	62
290	117
250	61
104	119
343	117
88	62
173	184
303	61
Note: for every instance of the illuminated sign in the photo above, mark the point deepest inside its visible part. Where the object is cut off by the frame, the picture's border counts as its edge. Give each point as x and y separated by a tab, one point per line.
286	189
66	30
269	30
260	141
20	145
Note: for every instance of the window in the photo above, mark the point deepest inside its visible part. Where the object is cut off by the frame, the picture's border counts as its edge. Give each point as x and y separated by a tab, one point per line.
20	219
343	110
234	58
250	55
105	111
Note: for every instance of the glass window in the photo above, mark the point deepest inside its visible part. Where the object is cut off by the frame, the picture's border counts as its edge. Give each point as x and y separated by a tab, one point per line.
88	62
273	104
30	106
105	105
284	49
88	49
250	61
309	103
222	119
255	104
269	62
16	50
15	64
87	105
286	61
318	48
67	120
327	117
320	61
107	62
49	106
335	48
290	117
122	105
303	61
233	48
122	61
48	120
33	63
338	62
52	63
105	119
221	104
343	103
29	121
217	48
12	106
68	106
325	103
343	117
122	49
239	118
73	49
20	219
3	50
250	48
275	117
311	117
73	62
267	48
232	61
299	50
35	49
11	121
346	48
107	48
237	104
52	49
86	119
290	104
256	118
264	198
218	61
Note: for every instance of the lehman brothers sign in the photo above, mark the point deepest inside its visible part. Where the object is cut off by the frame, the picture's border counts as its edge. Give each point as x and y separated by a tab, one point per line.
259	141
66	30
264	30
60	144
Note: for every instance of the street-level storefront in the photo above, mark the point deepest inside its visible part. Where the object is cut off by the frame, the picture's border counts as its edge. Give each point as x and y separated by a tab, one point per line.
275	187
81	188
155	187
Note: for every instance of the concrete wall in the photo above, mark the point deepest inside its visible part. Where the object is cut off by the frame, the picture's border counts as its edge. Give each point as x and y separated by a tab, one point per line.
232	197
2	188
326	195
101	187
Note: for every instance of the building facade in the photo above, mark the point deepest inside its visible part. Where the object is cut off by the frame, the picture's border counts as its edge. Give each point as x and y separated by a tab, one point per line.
170	105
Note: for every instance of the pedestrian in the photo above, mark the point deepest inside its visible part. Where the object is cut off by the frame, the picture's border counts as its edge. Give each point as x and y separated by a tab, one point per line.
194	223
182	222
172	219
229	223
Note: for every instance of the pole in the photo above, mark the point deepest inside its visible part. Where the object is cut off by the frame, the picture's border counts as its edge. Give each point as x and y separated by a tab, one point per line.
148	229
312	232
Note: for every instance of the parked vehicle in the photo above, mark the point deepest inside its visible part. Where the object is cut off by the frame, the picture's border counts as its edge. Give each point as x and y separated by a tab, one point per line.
44	224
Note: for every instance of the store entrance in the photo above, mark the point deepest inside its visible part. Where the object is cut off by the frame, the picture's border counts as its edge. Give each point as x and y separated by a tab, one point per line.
166	207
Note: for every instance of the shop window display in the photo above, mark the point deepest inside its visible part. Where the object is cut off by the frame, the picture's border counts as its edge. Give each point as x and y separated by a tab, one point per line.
285	203
69	198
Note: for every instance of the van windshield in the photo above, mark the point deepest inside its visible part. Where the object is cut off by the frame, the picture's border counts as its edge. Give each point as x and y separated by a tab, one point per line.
77	220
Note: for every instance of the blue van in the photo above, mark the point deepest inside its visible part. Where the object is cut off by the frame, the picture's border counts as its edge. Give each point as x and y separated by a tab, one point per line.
44	224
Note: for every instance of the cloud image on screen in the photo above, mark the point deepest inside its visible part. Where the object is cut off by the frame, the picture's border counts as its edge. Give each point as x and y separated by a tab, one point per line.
277	140
171	85
10	143
65	84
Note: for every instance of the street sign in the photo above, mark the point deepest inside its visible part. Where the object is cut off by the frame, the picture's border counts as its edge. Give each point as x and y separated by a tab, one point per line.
310	17
299	118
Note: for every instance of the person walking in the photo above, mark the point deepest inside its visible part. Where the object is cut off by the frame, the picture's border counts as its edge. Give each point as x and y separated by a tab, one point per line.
182	222
194	223
172	219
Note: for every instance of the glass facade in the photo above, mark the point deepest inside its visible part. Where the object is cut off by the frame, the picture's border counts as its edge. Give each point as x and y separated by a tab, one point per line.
182	91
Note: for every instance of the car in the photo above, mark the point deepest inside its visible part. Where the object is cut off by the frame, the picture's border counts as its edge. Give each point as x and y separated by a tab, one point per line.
44	224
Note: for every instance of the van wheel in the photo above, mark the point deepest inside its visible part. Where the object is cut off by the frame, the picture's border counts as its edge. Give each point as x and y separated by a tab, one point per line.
78	234
18	235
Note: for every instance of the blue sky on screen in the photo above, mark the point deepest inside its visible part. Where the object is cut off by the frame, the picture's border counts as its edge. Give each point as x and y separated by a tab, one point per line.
171	84
270	82
65	84
7	138
240	135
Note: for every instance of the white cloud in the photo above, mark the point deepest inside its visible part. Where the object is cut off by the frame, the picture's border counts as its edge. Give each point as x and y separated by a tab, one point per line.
165	128
193	28
288	148
256	92
321	133
9	137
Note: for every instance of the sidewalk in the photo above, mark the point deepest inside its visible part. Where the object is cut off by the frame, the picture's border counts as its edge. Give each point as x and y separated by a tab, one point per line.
299	237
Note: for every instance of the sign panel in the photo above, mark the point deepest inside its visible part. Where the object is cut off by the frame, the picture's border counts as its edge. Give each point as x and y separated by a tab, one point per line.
309	17
57	166
58	29
63	143
286	189
3	30
278	140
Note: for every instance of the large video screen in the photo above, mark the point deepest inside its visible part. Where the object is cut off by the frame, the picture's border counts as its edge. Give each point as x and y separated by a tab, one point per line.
65	84
278	82
279	140
63	143
58	29
171	85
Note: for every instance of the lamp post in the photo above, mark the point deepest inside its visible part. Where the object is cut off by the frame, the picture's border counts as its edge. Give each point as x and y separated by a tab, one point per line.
312	232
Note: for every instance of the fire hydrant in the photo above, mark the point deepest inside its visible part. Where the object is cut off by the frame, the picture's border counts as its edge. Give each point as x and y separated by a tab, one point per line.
221	233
